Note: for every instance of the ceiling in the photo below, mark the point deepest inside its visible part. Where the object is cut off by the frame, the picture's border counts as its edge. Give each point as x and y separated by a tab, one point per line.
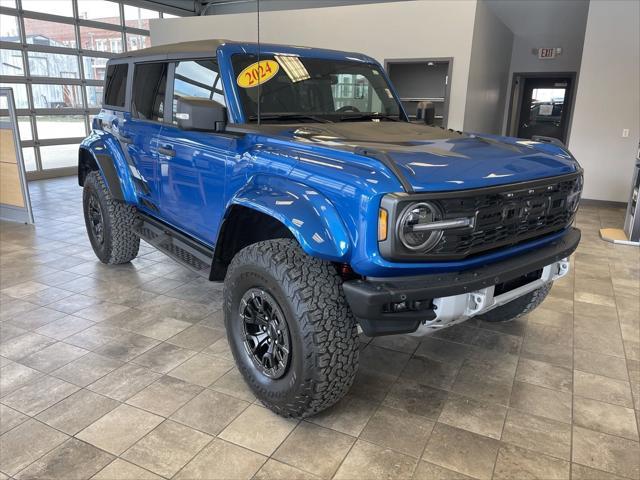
564	19
219	7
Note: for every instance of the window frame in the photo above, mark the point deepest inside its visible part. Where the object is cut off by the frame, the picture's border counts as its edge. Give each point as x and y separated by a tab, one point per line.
126	87
169	76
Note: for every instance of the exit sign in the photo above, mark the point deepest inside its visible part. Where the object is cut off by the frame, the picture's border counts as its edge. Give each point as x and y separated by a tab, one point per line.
546	53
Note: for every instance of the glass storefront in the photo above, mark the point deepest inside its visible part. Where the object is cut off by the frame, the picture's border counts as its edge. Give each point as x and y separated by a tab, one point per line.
53	54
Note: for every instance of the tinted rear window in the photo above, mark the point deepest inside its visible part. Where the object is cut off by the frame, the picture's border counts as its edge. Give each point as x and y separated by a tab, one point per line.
147	96
116	85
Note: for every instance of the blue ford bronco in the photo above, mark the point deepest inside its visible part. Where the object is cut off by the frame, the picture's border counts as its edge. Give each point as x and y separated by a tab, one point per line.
295	176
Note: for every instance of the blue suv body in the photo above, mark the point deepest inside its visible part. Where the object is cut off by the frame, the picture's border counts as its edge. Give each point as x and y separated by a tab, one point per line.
210	149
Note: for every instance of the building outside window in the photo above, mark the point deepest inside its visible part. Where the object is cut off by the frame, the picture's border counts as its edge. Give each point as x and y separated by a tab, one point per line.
53	53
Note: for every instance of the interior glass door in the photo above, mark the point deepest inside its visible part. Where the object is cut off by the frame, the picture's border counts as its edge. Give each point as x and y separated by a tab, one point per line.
544	108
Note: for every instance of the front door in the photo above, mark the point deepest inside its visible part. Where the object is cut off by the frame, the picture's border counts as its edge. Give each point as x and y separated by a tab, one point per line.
193	163
544	109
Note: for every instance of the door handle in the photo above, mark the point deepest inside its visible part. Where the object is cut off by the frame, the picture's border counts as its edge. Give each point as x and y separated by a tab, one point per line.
168	151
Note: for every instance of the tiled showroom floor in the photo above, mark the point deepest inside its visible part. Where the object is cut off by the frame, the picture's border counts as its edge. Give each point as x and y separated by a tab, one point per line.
124	373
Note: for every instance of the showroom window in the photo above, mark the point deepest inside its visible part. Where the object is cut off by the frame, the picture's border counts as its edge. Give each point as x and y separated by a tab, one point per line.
53	53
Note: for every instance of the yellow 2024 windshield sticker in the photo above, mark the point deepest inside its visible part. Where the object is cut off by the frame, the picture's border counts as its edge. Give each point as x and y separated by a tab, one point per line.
257	73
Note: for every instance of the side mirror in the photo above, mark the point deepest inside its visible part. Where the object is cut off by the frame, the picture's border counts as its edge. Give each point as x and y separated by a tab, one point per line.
200	114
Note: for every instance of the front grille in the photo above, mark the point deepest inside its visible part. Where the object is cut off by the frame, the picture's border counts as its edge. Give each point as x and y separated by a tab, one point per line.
508	216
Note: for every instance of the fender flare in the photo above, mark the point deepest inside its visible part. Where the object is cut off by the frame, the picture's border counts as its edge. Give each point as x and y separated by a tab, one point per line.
310	216
104	151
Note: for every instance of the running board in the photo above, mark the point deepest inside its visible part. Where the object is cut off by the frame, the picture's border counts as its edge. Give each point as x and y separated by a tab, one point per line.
179	247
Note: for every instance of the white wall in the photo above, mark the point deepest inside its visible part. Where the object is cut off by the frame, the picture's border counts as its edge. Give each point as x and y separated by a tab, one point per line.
523	61
488	72
608	100
412	29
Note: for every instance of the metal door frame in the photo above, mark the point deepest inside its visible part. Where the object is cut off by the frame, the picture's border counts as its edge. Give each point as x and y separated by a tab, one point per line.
515	99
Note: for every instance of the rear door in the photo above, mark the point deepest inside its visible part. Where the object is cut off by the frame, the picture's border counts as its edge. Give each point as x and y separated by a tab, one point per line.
193	163
139	133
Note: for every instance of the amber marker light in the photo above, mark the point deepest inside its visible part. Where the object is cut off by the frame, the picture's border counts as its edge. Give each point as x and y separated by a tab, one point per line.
382	224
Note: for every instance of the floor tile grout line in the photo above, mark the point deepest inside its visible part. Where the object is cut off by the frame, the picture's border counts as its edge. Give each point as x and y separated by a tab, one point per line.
523	357
504	420
122	459
215	437
355	439
48	451
573	385
164	420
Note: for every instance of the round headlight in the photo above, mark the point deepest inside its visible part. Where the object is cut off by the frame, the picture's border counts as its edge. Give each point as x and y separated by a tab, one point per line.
410	232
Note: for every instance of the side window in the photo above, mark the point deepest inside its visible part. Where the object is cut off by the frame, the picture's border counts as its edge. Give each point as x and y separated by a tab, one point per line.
116	85
149	86
197	78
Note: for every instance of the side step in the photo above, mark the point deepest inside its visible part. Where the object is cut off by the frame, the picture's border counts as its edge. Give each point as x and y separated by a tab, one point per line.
184	250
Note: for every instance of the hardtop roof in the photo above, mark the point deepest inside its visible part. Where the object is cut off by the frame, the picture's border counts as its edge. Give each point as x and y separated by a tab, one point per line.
199	47
182	48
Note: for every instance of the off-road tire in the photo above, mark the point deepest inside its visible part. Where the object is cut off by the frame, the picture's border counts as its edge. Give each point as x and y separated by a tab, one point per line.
323	333
518	307
120	244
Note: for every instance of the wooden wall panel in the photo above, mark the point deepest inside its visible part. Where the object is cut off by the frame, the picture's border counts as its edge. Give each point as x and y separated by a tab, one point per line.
10	185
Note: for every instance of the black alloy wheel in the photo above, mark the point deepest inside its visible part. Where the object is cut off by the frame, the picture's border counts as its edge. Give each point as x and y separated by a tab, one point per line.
266	334
96	220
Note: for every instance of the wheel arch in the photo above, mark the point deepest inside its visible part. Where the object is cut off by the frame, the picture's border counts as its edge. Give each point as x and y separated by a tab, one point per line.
276	207
101	153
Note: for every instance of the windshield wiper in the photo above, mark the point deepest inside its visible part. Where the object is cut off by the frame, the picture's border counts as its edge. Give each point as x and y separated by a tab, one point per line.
289	116
370	116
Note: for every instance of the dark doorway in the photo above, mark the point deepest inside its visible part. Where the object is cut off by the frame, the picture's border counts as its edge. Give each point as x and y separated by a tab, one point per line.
544	106
422	80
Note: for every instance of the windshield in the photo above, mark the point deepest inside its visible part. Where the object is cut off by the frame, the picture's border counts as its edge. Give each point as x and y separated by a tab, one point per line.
312	89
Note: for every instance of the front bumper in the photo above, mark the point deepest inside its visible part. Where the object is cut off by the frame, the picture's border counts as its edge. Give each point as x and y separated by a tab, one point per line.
369	299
